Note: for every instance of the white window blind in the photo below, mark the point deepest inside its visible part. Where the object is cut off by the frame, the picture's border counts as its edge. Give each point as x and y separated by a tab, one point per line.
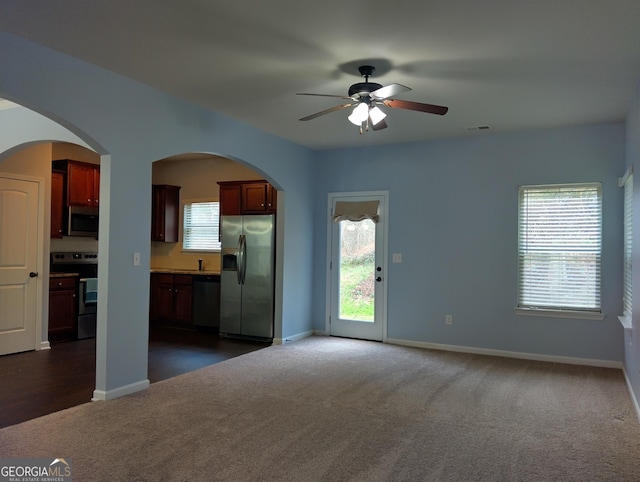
628	246
559	247
201	226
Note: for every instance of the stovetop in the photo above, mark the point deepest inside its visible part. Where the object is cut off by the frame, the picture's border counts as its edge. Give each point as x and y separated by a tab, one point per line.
74	258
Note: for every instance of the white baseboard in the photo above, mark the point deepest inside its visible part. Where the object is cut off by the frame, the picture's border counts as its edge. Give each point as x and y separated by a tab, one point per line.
45	345
296	337
508	354
632	395
101	395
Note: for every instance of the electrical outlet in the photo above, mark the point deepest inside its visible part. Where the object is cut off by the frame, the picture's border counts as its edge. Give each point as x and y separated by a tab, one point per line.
448	319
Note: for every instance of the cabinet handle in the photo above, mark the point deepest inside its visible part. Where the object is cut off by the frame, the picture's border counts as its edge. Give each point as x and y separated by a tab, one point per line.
59	284
262	205
89	201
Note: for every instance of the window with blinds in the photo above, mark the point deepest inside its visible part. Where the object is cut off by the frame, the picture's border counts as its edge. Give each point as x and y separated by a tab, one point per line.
201	226
559	247
627	295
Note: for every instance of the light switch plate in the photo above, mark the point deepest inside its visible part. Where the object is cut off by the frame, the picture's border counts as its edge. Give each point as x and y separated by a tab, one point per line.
397	257
136	259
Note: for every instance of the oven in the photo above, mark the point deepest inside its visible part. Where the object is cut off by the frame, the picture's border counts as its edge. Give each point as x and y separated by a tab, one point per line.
85	264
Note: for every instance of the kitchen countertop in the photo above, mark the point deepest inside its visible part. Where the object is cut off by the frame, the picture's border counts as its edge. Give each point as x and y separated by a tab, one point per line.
63	275
186	271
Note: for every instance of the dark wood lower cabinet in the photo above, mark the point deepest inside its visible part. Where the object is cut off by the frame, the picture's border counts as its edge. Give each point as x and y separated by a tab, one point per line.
63	308
171	299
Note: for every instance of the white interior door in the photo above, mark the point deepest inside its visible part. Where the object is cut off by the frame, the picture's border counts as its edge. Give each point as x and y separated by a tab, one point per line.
357	267
18	264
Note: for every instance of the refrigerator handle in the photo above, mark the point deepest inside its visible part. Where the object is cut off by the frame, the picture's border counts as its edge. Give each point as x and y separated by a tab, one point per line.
244	258
239	259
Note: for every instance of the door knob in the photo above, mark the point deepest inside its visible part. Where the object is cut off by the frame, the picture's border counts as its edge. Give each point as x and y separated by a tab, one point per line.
33	274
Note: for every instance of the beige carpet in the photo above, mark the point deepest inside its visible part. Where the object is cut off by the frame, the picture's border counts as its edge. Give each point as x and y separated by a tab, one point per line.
335	409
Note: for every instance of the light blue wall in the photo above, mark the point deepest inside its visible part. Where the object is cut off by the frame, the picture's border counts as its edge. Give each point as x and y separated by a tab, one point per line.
20	126
632	338
453	216
132	125
453	213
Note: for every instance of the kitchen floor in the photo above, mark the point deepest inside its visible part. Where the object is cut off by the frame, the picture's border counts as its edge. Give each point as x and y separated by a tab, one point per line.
40	382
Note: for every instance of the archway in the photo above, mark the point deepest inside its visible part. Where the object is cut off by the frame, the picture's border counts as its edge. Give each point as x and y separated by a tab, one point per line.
32	390
184	300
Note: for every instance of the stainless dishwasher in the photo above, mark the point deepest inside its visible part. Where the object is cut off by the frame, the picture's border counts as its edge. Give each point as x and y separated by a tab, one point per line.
206	301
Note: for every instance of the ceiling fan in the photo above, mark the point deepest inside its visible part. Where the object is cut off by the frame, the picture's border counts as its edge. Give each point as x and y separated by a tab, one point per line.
367	96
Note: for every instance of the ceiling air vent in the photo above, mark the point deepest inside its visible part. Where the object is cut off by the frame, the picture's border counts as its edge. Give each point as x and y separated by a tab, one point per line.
478	128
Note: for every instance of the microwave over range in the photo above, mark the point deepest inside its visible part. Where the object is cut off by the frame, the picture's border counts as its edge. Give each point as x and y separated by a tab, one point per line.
82	221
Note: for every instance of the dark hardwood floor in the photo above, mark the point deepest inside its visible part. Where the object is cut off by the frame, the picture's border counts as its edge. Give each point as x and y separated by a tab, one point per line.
40	382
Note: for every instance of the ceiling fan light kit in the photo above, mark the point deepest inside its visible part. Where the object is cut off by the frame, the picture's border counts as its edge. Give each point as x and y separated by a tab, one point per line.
376	114
359	114
366	96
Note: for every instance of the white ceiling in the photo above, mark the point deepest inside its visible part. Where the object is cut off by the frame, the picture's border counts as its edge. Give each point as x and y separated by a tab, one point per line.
507	64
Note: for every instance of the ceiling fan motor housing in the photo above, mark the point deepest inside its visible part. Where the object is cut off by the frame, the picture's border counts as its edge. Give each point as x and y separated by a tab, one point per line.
363	88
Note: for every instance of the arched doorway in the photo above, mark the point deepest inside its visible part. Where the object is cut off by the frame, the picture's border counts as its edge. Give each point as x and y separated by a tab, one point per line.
185	301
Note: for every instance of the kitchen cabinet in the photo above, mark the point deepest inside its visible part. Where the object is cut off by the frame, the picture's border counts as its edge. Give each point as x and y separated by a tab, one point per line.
63	304
165	213
171	299
230	199
57	204
247	197
83	182
258	198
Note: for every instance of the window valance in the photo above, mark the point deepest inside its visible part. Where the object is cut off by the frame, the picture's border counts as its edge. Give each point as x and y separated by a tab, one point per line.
356	211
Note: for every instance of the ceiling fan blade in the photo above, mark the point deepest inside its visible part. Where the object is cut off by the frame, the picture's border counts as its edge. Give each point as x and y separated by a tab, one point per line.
389	91
419	106
327	111
380	125
325	95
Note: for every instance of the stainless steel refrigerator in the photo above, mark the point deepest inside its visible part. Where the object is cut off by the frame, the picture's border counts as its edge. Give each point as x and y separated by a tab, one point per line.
247	276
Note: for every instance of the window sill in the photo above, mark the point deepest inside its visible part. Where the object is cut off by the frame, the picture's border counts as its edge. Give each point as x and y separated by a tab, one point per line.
625	321
196	251
582	315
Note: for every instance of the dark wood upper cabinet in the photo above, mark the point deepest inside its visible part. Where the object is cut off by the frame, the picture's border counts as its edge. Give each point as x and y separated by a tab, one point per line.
165	213
57	204
83	182
247	197
230	199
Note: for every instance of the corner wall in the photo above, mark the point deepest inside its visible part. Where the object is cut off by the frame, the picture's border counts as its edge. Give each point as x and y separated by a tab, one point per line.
453	215
632	337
